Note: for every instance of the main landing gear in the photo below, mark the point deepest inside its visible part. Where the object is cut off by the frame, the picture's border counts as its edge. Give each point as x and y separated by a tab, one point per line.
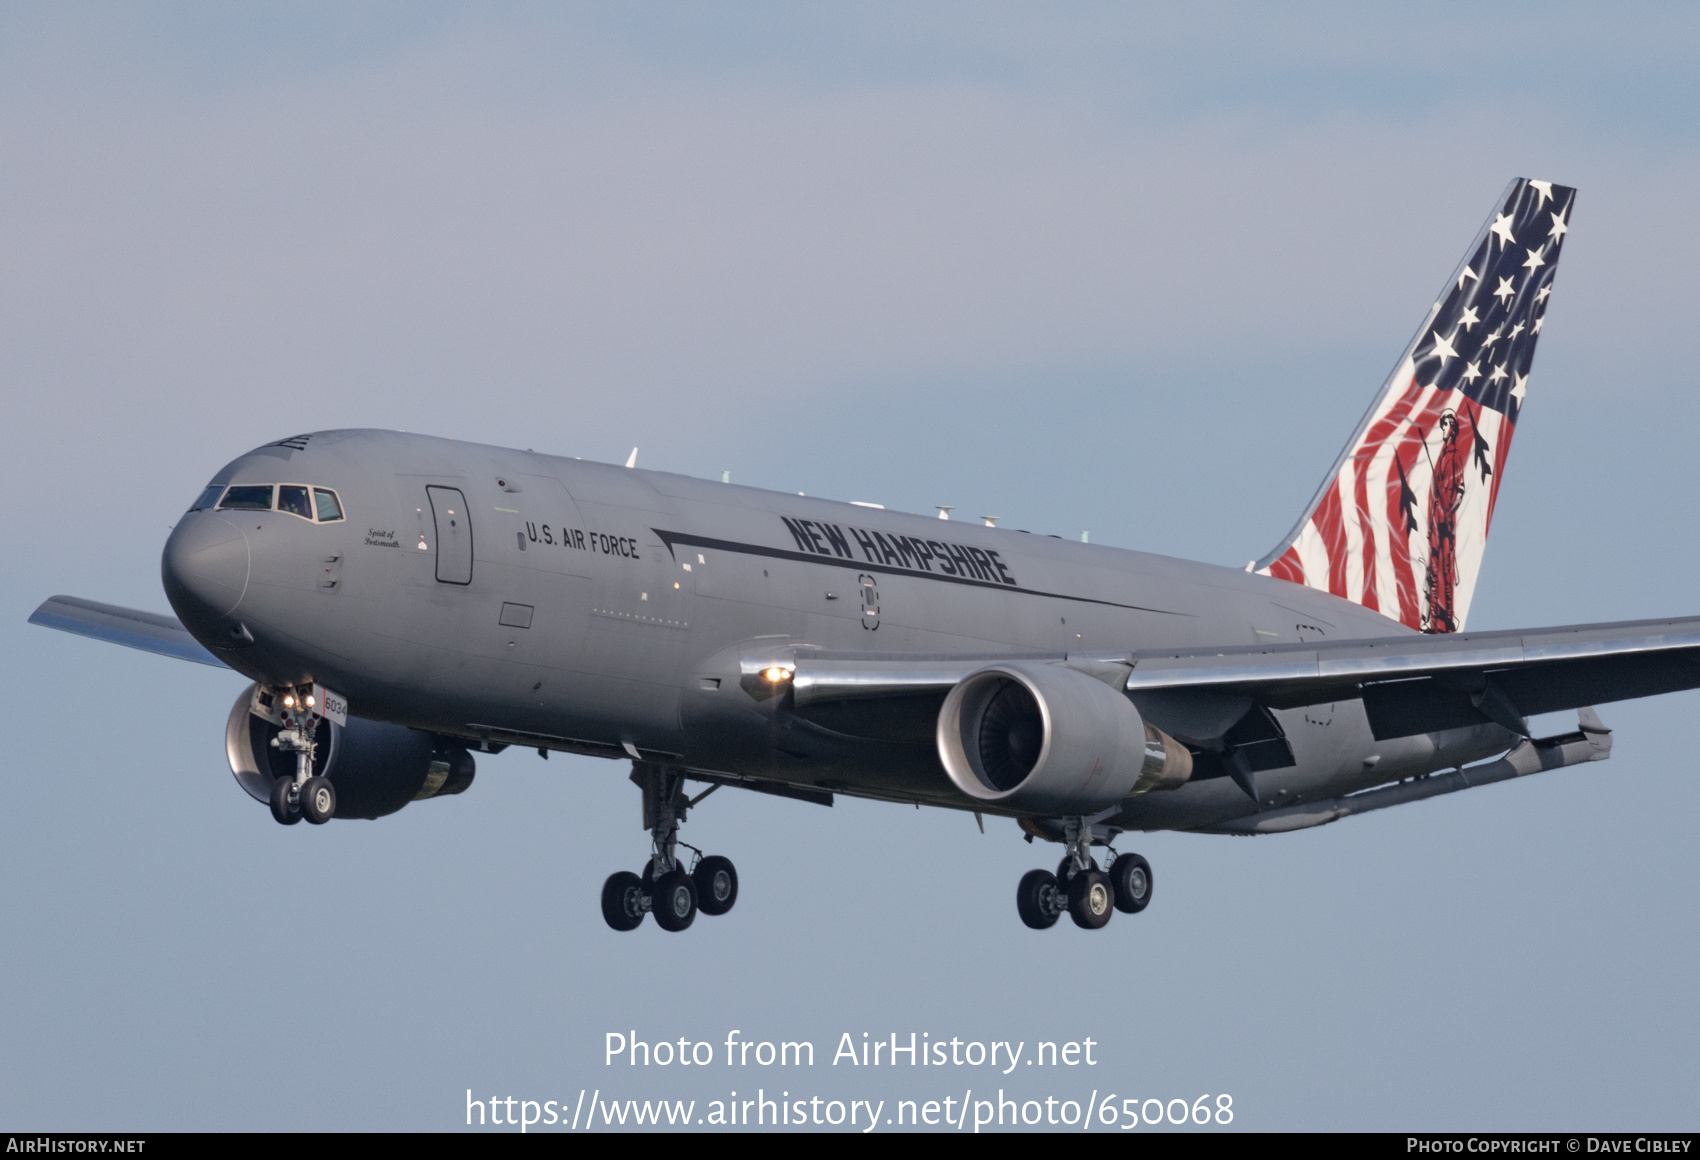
303	795
1089	895
665	888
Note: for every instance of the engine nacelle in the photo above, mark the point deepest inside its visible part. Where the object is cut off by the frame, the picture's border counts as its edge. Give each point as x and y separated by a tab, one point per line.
376	767
1045	739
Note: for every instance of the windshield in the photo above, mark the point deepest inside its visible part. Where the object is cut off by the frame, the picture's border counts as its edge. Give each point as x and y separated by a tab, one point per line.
249	497
298	499
329	508
292	498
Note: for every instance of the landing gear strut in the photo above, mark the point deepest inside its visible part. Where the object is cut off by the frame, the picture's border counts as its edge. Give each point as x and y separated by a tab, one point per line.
665	888
1089	895
303	795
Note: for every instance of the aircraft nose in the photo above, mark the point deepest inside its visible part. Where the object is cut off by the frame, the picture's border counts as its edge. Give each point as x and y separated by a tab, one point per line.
205	568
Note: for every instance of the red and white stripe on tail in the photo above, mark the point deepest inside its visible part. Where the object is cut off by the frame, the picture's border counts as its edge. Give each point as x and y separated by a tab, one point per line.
1400	523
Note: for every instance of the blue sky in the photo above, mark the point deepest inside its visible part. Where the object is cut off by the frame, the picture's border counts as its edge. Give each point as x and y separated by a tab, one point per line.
1135	270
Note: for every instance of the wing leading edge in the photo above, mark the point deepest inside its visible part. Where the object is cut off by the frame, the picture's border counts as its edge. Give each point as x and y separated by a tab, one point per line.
148	631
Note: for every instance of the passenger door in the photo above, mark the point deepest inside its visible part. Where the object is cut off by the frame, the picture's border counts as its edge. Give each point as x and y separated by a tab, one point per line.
454	535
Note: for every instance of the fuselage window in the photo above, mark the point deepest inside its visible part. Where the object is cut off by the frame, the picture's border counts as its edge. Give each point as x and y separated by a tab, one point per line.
249	497
292	498
208	498
329	508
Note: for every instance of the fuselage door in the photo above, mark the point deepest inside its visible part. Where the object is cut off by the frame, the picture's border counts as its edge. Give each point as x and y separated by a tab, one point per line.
454	535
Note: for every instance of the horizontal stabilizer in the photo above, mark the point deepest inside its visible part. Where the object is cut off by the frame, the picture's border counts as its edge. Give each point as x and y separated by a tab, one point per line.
148	631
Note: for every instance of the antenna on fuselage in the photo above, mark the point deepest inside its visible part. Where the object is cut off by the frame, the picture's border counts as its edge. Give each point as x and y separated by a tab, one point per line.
631	460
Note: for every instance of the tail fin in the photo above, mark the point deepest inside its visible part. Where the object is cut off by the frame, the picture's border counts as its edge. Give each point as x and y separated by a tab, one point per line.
1400	522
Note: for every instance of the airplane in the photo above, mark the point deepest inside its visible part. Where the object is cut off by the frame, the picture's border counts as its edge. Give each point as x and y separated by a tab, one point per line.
400	602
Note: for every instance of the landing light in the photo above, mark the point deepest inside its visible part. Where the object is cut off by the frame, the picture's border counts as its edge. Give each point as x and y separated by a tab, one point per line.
289	701
309	701
776	674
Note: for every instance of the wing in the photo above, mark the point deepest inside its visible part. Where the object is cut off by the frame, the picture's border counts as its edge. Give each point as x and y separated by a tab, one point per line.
1421	683
148	631
1409	684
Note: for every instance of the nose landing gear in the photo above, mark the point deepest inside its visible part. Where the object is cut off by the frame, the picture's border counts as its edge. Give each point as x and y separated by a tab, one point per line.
318	800
286	808
665	888
303	795
1090	896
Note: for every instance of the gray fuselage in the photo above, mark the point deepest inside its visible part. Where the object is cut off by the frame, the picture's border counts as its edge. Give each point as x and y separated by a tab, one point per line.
599	609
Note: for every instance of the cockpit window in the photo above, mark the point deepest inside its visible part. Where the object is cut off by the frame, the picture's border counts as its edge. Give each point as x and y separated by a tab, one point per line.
329	508
249	497
209	497
298	499
292	498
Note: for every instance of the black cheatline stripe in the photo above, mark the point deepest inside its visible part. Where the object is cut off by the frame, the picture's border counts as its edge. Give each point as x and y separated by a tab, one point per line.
671	538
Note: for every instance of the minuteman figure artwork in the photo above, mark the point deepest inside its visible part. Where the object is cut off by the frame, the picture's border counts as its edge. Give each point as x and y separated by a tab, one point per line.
1445	495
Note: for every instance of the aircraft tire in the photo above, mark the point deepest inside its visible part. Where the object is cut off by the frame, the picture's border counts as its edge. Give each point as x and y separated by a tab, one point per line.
620	900
285	813
716	881
318	800
675	900
1030	899
1130	878
1091	900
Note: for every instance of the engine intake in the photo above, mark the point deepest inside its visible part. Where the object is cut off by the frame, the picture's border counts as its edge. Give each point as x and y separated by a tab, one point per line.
1045	739
376	767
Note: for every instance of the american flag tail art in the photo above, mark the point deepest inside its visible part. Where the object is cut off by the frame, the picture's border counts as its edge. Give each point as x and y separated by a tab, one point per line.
1400	522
